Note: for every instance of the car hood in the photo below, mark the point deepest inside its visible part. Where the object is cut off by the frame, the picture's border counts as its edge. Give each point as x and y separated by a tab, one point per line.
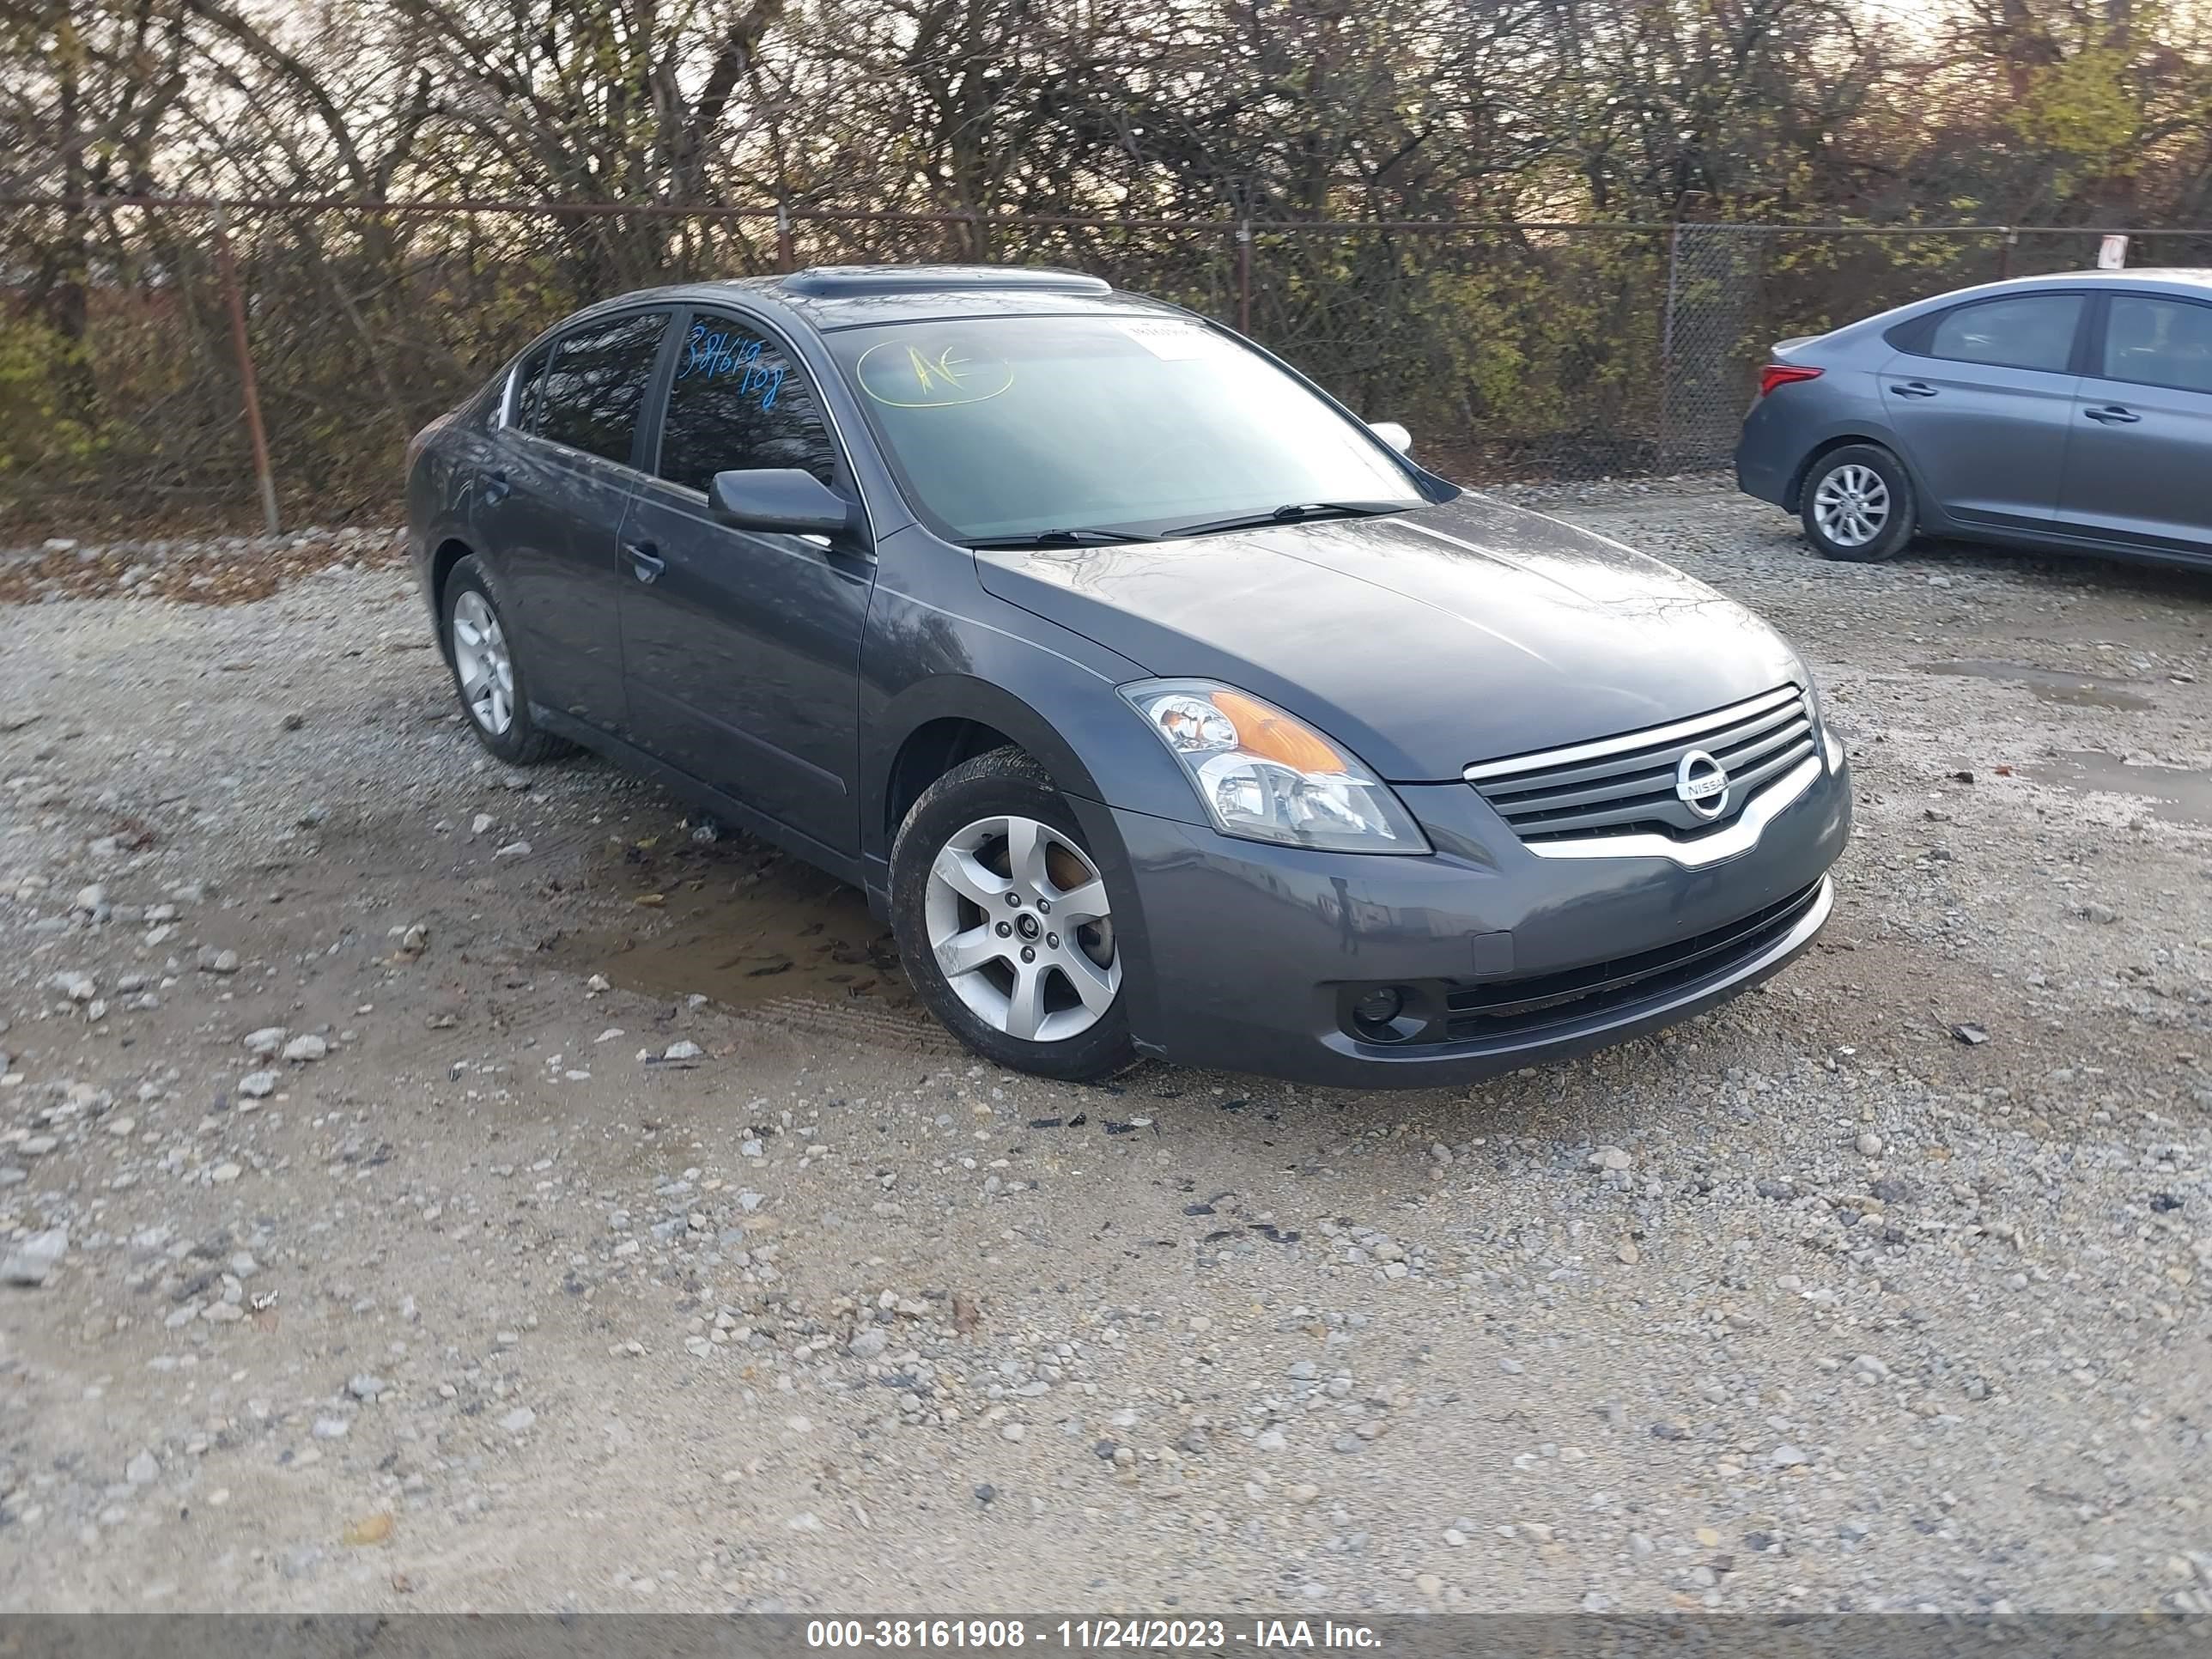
1464	631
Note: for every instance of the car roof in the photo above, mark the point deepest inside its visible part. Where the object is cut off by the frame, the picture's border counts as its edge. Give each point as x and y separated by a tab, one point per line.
2193	280
831	297
2186	276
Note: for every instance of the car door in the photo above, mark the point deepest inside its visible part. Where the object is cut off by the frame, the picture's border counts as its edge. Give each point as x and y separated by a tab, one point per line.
2143	426
1981	396
742	648
548	506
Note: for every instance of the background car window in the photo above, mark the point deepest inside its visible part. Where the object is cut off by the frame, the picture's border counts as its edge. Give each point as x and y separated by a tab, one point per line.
2033	331
592	393
522	409
2159	343
737	403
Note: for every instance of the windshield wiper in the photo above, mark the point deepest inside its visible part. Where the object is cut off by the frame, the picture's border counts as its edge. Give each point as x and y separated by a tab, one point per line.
1294	512
1058	538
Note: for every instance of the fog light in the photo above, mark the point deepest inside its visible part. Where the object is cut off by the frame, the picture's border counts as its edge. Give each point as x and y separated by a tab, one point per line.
1379	1006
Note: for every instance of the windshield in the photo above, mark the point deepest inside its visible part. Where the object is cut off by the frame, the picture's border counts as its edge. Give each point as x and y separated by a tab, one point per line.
1009	427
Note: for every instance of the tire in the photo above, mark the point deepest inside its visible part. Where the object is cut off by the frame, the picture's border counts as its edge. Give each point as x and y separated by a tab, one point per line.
473	655
1875	481
1064	1013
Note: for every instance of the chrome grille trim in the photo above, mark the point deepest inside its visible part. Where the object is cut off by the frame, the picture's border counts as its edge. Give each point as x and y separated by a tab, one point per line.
1738	837
1622	797
1483	771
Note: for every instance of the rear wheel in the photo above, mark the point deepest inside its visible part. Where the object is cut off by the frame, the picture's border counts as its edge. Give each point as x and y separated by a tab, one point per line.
1003	922
491	681
1857	505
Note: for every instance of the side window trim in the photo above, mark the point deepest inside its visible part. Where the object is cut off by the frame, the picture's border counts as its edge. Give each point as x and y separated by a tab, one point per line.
646	415
2095	366
509	417
1917	337
847	475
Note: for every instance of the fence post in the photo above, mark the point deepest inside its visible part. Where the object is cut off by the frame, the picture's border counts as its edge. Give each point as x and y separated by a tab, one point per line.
1244	276
786	259
2004	252
1664	436
249	391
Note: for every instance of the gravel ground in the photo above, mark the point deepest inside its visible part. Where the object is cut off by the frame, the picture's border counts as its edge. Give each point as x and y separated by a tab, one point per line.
428	1187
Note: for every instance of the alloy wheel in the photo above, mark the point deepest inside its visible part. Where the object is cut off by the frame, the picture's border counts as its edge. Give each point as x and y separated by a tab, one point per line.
482	663
1851	505
1019	923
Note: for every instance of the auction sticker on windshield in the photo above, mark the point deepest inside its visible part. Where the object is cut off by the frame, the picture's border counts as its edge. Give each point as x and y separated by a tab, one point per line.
1173	342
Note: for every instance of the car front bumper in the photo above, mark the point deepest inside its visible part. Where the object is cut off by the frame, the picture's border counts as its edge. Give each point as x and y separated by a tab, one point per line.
1254	954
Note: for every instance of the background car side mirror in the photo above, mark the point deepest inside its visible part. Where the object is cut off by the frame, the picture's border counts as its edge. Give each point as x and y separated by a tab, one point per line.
781	499
1393	434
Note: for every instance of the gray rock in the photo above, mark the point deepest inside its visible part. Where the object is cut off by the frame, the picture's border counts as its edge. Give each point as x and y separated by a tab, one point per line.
366	1386
309	1047
258	1086
143	1470
518	1420
869	1344
31	1263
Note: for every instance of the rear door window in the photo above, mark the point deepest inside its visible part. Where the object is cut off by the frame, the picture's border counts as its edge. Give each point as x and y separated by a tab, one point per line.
2028	330
2158	343
739	401
594	390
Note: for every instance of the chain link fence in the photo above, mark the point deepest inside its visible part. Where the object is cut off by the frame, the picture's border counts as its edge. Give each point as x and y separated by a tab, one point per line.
134	337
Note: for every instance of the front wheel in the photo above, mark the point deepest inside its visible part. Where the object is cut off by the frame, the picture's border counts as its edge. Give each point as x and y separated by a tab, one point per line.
1003	920
1857	505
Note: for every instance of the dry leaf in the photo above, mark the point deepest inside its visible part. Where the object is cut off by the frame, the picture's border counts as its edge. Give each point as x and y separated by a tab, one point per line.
370	1530
966	1317
656	900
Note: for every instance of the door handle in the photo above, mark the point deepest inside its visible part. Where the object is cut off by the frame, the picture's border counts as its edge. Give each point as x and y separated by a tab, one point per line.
2113	415
1914	389
495	488
644	563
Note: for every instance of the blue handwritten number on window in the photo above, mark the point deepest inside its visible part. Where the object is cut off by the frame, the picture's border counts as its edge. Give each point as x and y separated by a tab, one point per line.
709	355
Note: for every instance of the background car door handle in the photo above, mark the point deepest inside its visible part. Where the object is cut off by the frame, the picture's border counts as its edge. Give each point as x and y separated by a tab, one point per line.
644	563
1914	389
495	488
2113	415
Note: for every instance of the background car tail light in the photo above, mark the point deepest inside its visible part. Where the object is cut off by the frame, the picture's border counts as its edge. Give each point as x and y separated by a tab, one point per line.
1775	374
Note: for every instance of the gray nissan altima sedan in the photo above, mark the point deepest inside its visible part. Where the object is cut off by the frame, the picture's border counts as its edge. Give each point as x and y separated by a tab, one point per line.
2065	413
1163	706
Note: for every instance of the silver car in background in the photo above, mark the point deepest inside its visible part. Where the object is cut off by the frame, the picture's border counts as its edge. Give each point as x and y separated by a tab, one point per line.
2063	413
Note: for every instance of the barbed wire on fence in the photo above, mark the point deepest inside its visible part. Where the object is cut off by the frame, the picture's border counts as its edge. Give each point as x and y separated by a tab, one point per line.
1515	350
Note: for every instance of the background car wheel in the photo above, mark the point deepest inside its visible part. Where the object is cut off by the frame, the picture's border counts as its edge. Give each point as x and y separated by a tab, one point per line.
480	650
1857	505
1003	922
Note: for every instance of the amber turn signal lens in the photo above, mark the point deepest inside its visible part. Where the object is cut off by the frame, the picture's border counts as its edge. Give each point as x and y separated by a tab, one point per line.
1275	736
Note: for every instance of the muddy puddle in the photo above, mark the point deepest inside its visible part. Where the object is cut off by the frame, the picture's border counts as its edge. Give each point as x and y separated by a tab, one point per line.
2053	685
734	920
2175	795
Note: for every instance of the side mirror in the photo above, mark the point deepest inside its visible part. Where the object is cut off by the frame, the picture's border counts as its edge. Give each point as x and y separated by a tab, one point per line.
781	499
1393	434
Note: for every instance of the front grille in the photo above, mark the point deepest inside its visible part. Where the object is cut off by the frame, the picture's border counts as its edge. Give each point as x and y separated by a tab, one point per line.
1496	1008
1626	785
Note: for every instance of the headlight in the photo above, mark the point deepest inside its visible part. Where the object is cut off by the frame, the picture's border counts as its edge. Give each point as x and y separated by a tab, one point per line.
1264	777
